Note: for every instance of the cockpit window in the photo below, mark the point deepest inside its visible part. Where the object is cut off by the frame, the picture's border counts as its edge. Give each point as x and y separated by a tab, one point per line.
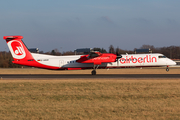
162	56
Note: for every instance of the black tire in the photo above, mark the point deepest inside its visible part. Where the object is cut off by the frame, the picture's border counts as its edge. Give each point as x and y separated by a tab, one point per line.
93	72
167	69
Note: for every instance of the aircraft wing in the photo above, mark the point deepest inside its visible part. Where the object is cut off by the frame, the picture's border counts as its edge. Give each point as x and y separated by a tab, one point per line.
97	58
94	54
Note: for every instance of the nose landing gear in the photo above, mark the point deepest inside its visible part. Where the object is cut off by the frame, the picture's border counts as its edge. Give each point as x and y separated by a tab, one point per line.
167	69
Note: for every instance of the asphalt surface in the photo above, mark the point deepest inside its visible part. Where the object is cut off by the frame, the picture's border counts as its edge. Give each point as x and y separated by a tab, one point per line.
88	76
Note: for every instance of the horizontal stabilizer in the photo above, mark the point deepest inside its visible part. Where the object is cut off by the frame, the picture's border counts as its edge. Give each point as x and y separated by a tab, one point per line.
12	37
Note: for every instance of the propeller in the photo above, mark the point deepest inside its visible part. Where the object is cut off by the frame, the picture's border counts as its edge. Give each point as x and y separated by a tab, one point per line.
118	57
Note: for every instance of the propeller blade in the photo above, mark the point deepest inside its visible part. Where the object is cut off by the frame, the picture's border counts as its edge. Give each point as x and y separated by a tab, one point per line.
117	58
117	62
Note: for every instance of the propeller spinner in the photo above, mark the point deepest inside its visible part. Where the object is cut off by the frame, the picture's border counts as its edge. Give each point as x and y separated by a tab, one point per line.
118	57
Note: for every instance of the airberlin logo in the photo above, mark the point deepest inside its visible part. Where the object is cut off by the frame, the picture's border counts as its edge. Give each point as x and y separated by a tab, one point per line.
19	51
16	49
146	59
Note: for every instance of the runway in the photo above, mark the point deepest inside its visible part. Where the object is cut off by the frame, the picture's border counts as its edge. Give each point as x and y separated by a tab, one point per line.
88	76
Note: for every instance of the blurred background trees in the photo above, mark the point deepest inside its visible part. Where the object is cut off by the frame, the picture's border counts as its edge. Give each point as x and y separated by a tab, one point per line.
172	52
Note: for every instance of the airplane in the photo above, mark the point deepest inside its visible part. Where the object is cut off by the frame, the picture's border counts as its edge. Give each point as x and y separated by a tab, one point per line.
93	60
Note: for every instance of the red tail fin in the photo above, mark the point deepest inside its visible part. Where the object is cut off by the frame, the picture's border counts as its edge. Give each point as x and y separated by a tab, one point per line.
17	48
21	54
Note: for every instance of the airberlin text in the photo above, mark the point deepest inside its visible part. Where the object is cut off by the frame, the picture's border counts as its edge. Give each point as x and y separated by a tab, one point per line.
146	59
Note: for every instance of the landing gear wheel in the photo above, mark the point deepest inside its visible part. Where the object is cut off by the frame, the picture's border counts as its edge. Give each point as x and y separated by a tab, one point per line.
167	69
93	72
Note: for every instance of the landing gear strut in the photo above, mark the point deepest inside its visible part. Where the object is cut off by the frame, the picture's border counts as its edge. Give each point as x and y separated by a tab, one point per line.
94	69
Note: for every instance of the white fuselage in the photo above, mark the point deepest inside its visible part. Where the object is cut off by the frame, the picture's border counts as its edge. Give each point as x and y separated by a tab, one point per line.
130	60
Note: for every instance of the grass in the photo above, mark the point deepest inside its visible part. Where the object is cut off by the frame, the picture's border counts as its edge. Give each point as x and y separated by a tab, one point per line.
90	99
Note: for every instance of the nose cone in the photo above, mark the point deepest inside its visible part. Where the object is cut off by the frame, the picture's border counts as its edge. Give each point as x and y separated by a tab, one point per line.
171	62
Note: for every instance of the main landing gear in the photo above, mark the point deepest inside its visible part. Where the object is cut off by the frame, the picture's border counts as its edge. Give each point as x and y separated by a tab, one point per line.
94	69
93	72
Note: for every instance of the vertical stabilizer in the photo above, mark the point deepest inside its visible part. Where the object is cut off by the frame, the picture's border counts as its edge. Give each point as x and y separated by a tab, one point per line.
17	48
